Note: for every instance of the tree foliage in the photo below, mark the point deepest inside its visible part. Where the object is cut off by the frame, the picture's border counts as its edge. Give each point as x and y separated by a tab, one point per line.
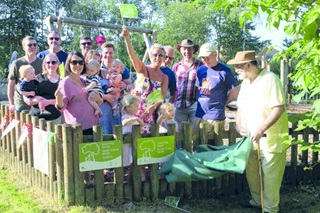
302	21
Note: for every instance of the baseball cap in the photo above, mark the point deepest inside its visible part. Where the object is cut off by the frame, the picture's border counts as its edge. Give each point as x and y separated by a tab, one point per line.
206	49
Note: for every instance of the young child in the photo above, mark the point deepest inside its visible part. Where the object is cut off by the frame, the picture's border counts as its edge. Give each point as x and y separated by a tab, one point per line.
166	116
93	84
115	77
130	105
28	87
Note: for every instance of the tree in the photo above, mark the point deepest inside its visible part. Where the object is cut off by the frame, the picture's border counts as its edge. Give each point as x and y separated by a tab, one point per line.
302	21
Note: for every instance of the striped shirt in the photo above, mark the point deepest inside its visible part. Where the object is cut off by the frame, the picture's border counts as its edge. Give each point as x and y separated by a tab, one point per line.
97	88
186	80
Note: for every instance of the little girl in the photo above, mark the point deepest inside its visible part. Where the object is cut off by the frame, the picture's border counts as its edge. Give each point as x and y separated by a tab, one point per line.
93	84
166	116
130	105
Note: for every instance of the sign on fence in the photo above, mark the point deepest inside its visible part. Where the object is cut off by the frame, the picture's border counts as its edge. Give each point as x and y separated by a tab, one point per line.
154	149
41	140
100	155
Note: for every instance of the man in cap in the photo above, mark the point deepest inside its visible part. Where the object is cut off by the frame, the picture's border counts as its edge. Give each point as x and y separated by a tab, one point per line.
262	114
216	87
54	42
185	70
172	84
85	45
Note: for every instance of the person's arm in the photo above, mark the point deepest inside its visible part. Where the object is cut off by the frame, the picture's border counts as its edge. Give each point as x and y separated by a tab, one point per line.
275	114
129	121
172	97
164	86
59	97
233	94
11	84
90	86
129	86
137	63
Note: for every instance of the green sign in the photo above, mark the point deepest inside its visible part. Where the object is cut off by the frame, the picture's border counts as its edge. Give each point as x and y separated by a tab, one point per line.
100	155
155	149
128	11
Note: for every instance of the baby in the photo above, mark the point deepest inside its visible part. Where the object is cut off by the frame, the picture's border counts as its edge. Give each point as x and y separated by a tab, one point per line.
116	84
28	86
93	84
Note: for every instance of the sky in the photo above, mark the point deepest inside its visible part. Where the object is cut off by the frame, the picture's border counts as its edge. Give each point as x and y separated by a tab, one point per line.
275	35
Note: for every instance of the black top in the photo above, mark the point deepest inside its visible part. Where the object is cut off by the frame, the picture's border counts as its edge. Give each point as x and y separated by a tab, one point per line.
46	89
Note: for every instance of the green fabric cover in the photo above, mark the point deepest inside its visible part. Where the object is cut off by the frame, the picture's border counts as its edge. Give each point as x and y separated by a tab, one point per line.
207	162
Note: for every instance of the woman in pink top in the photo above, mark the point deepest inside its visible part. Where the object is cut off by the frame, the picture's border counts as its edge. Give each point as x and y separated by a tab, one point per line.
71	99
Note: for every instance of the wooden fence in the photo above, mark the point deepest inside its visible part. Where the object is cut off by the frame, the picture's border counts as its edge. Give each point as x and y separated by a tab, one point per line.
65	181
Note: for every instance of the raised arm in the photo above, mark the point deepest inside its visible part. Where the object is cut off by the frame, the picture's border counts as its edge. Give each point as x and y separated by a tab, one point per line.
137	63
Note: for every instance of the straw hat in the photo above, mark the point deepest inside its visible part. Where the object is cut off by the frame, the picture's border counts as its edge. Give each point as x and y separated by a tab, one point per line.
187	43
243	57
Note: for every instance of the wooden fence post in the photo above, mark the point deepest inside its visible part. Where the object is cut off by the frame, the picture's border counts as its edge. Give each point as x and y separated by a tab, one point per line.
187	136
52	159
118	172
136	170
172	131
77	138
68	164
18	132
59	161
154	177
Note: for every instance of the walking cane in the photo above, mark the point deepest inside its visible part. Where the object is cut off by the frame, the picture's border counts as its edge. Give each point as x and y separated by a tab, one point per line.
260	177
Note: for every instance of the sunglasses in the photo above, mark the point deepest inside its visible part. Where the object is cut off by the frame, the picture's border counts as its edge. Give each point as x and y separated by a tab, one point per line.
157	55
51	62
86	43
55	38
171	58
80	62
30	45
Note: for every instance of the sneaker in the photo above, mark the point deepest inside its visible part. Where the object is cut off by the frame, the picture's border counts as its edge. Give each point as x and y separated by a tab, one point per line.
115	110
251	204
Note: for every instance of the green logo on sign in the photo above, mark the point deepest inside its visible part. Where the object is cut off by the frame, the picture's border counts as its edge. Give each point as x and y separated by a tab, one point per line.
100	155
155	149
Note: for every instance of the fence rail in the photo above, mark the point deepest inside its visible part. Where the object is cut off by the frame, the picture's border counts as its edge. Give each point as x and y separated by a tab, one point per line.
65	181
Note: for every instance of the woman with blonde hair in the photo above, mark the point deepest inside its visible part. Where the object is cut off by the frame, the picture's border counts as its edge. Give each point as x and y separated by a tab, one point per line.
47	84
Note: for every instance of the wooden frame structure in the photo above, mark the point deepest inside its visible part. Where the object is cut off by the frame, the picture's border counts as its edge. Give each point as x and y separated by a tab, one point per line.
149	35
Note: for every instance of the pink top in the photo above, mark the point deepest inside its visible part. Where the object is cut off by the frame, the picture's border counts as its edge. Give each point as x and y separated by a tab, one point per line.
76	107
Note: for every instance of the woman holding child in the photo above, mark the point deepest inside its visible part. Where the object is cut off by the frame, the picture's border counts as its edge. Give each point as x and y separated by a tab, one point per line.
149	79
47	84
71	98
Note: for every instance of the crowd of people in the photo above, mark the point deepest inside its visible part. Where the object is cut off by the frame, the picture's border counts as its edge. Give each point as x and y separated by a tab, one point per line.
96	90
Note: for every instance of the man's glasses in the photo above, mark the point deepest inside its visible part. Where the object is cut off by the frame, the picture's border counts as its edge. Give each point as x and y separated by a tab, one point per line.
30	45
51	62
157	55
86	43
55	38
171	58
74	62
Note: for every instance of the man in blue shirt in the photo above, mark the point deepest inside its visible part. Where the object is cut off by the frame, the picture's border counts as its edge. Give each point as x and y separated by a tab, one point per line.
172	84
216	87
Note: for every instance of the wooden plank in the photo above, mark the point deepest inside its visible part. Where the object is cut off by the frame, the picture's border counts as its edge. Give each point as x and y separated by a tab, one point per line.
42	126
68	165
187	133
136	170
172	131
154	177
59	162
202	186
118	172
52	159
294	157
77	138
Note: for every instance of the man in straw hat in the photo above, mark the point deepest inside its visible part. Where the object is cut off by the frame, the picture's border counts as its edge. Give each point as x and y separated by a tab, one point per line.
186	70
261	110
214	81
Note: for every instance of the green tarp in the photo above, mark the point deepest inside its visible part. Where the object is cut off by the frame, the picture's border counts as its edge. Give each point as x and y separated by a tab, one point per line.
207	162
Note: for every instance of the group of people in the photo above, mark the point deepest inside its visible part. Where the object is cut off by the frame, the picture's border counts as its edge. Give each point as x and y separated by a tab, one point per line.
96	86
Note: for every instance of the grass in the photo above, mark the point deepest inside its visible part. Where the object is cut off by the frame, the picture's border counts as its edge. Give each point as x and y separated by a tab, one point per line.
16	196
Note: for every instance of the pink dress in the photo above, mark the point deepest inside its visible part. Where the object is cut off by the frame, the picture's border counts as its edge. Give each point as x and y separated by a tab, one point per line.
142	86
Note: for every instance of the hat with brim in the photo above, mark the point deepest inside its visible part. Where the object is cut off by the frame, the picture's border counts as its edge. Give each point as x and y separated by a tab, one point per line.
188	43
243	57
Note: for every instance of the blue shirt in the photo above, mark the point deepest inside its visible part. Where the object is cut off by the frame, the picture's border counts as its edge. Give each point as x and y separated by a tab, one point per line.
213	85
172	83
62	56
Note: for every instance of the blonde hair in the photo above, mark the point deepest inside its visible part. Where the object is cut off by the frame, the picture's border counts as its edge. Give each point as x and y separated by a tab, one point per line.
44	70
164	107
92	53
95	64
118	61
156	46
24	69
127	101
23	42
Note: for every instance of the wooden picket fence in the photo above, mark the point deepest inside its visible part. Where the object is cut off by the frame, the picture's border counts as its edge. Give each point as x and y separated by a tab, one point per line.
66	183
